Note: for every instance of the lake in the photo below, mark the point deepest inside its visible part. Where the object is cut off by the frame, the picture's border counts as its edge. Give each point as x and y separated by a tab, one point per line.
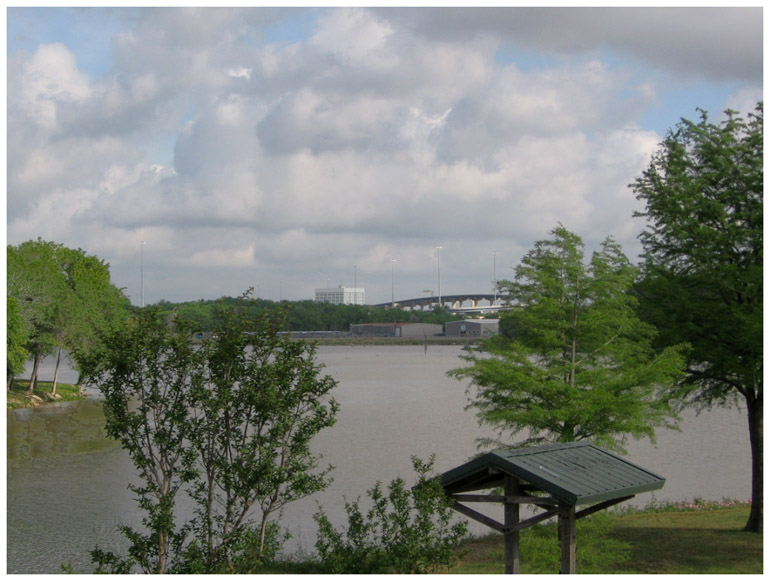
67	484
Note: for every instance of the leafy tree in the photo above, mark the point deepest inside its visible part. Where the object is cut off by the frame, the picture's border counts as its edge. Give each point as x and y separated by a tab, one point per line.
64	297
703	263
404	531
577	362
93	303
36	281
229	422
258	402
144	373
16	338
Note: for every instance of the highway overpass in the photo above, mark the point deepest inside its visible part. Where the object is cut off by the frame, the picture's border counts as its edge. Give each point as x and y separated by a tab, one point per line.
462	303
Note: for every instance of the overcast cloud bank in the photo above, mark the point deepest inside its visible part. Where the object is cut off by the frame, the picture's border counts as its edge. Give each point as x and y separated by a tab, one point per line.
288	149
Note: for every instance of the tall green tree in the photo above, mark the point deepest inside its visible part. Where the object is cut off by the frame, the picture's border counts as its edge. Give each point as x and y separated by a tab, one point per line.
257	402
229	421
16	339
575	362
64	297
703	263
37	282
93	303
143	372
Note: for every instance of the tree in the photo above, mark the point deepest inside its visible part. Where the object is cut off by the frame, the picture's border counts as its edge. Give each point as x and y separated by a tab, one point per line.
93	303
257	404
229	422
703	263
64	297
37	282
16	338
575	362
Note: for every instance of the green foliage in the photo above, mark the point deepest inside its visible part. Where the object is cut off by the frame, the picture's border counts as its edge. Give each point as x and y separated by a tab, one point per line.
36	280
258	404
575	361
405	531
64	297
16	339
143	373
703	269
703	244
228	422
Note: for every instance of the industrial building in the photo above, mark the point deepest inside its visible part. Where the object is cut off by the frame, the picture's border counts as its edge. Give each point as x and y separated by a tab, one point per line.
399	330
341	295
473	328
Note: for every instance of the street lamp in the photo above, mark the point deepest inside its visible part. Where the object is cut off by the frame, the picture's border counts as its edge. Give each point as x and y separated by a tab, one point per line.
438	261
494	274
392	293
141	269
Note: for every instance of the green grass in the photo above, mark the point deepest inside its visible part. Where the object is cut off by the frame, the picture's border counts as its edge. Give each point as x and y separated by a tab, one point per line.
17	396
670	540
694	538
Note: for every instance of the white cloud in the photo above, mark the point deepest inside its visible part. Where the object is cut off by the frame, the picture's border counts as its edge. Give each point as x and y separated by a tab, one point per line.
224	258
48	78
374	137
240	73
354	36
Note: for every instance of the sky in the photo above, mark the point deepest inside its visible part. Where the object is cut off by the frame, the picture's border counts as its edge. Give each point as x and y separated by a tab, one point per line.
205	151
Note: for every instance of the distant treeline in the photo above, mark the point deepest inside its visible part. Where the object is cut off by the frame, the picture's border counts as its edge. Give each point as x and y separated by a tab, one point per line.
302	315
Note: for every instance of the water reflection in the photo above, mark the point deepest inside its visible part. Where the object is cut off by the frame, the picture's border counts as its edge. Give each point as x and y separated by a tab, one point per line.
56	429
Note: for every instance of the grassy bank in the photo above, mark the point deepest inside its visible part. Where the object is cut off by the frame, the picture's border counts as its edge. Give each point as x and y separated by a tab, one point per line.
695	539
17	396
678	539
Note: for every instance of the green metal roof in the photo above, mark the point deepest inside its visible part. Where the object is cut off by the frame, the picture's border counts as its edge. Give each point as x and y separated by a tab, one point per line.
576	473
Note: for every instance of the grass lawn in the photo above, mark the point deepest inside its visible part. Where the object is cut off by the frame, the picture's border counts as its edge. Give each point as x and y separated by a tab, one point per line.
673	541
17	396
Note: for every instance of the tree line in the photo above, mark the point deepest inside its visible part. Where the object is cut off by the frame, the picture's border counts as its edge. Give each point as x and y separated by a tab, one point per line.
303	315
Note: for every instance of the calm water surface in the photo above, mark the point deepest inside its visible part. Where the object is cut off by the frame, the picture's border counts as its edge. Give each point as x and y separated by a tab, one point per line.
67	484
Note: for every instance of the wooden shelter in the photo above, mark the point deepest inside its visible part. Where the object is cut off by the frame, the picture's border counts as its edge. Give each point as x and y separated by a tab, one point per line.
556	478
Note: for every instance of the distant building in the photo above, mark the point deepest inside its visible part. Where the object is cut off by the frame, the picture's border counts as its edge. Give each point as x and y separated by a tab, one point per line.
340	295
402	330
473	328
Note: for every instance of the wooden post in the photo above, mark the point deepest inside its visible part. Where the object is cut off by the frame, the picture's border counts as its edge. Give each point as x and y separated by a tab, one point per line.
511	519
567	538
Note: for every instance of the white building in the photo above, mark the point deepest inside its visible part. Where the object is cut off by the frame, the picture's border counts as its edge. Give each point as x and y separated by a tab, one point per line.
340	295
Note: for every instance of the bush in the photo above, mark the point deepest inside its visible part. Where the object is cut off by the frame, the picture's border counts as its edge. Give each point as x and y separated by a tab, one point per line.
405	531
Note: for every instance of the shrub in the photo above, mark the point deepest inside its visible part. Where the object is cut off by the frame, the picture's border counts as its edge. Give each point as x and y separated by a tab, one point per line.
404	531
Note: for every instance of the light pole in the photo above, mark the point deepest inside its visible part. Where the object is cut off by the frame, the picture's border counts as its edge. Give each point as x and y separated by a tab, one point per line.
392	293
438	261
141	270
494	274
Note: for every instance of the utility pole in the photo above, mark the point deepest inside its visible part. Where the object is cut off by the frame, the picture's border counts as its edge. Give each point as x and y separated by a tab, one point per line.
392	293
141	270
438	261
494	274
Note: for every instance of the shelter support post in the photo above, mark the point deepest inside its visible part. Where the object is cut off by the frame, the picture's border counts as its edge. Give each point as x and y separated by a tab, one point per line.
511	520
567	538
